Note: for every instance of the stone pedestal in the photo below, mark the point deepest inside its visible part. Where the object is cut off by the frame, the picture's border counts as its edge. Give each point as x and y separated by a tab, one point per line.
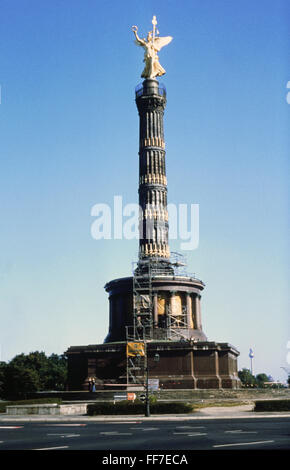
191	363
201	365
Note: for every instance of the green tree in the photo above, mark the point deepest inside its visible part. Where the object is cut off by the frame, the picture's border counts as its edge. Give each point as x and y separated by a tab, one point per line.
54	375
19	381
247	378
33	372
2	378
261	379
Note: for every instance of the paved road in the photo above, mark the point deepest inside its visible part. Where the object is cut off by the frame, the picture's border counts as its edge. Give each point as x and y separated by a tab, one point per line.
139	434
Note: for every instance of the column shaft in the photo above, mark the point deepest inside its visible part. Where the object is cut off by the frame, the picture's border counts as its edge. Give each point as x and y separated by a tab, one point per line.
189	310
198	313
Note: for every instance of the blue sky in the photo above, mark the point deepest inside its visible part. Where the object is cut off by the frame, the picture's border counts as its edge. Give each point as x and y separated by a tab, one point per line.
69	140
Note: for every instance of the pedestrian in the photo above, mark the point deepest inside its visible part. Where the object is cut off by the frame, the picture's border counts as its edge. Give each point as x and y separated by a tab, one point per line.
93	385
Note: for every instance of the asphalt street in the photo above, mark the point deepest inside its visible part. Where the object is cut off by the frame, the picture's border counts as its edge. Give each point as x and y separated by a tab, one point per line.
140	434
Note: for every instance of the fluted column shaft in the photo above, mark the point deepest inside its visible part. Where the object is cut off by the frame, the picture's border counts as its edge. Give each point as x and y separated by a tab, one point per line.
197	313
151	102
189	311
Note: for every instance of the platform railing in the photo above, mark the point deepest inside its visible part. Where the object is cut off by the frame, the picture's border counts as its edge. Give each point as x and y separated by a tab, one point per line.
160	90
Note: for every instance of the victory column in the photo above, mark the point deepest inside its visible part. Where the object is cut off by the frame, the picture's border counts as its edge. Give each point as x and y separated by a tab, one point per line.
159	306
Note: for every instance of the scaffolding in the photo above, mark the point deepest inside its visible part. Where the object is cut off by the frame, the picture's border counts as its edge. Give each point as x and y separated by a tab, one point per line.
136	353
143	301
176	326
142	329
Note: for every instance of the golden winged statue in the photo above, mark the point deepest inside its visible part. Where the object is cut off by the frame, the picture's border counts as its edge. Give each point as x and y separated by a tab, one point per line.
151	46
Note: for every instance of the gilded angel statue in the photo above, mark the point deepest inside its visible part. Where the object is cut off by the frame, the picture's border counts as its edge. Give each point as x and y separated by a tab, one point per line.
151	46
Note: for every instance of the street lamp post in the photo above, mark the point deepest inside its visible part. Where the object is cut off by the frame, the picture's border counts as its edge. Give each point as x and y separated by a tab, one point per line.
147	401
147	404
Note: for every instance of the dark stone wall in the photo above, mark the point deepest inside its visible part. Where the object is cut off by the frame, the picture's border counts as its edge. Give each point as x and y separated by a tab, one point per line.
203	366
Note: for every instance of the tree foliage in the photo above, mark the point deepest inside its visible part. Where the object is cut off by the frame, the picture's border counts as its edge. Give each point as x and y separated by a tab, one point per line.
250	380
261	379
33	372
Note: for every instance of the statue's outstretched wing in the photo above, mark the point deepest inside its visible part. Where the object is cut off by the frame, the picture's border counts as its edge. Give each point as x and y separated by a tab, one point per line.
161	42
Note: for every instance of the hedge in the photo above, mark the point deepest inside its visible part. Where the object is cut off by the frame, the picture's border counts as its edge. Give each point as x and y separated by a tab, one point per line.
127	407
272	405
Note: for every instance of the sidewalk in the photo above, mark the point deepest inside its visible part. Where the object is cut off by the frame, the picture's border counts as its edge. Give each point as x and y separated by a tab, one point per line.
244	411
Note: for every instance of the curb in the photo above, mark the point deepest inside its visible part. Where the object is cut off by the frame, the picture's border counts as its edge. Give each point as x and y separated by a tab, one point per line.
85	418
